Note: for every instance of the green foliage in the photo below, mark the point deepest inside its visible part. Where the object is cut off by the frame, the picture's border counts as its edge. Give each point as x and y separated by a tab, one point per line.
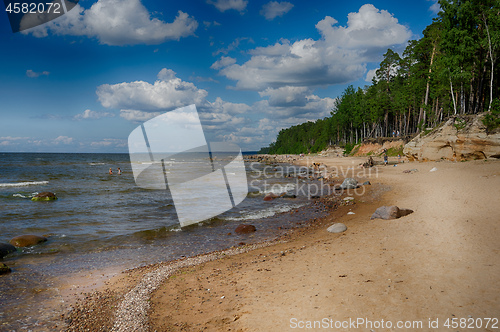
450	71
492	119
394	152
348	149
459	124
264	150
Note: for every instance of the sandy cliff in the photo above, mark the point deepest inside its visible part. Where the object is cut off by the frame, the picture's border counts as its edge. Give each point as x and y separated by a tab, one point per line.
459	138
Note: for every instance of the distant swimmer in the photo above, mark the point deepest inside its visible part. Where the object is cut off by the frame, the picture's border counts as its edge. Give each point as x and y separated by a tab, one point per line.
110	171
119	171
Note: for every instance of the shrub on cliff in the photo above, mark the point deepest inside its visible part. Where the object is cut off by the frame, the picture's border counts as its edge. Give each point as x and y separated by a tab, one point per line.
492	119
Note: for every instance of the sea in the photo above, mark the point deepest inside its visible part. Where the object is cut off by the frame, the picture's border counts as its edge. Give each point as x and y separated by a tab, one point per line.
106	222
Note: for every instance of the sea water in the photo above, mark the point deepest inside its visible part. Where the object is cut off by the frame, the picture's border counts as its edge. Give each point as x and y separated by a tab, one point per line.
101	220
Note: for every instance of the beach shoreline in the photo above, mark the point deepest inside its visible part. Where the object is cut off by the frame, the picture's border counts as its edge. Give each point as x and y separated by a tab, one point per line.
393	287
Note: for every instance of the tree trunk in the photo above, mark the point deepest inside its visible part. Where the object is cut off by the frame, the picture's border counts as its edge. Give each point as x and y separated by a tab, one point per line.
480	92
429	77
407	130
492	62
453	97
462	97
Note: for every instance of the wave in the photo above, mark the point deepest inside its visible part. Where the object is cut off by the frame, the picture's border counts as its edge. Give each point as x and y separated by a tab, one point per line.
95	164
266	213
24	184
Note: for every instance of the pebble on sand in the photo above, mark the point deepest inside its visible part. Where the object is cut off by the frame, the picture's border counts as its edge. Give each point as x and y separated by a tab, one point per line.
245	229
390	212
349	183
337	228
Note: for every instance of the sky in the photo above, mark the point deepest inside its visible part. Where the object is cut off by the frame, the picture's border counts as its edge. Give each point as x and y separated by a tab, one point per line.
85	80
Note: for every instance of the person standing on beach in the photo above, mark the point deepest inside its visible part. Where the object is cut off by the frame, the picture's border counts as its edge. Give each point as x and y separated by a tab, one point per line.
110	171
119	171
386	161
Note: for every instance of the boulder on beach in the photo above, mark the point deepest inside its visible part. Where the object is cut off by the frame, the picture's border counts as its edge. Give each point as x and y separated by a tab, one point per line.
349	183
4	269
245	229
27	240
337	228
5	249
270	197
288	196
45	196
390	212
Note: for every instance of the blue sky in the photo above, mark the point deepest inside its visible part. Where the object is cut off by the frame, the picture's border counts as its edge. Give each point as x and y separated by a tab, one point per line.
84	81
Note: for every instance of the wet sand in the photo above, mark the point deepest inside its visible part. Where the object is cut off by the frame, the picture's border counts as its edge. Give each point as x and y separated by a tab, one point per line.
438	263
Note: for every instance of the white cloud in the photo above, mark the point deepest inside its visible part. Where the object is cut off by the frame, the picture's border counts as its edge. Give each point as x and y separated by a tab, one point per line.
223	5
274	9
233	46
368	28
339	56
208	24
116	22
167	93
225	107
371	74
32	74
287	96
223	62
166	74
89	114
435	7
10	138
314	108
63	140
137	116
119	143
12	141
252	126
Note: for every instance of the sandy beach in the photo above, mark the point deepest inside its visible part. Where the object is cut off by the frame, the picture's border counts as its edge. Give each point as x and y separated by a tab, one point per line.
435	266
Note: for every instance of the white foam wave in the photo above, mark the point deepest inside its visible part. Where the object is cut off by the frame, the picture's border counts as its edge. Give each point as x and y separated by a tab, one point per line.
95	164
24	184
266	213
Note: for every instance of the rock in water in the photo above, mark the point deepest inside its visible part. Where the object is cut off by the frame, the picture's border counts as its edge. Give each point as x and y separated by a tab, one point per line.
46	196
349	183
270	197
4	269
27	240
6	248
245	229
337	228
390	212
